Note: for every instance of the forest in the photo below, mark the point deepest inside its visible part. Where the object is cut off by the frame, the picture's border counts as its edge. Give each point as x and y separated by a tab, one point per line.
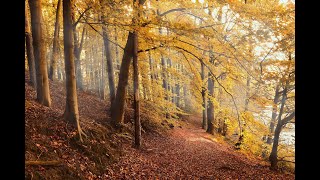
159	89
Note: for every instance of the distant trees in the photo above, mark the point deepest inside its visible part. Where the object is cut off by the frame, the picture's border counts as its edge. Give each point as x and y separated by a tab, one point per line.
43	92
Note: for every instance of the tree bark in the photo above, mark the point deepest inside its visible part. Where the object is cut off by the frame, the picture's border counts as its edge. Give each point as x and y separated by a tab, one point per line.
119	103
117	48
53	66
77	53
210	111
137	122
29	48
246	104
204	100
43	92
151	77
71	113
109	66
274	115
274	152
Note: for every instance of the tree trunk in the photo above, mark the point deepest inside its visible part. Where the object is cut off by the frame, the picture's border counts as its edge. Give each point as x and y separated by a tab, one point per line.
204	100
53	66
273	156
43	92
119	103
178	94
109	65
77	53
102	79
210	111
29	47
117	48
151	77
247	94
71	113
274	152
137	123
274	115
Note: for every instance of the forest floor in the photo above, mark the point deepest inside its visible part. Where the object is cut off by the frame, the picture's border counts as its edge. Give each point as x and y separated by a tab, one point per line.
188	152
183	152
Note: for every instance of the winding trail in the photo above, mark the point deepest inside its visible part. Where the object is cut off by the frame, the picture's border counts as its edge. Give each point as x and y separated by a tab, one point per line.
188	153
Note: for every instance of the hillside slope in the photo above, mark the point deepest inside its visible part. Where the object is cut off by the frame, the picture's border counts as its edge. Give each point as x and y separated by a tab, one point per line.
185	152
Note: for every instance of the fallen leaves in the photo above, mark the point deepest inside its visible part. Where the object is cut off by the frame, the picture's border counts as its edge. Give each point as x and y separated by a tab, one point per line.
183	153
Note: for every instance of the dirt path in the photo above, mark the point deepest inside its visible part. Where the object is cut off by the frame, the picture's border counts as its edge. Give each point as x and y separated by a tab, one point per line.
188	153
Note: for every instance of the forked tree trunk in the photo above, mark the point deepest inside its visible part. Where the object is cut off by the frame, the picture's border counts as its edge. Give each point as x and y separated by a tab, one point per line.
274	152
53	66
43	92
119	104
71	113
29	48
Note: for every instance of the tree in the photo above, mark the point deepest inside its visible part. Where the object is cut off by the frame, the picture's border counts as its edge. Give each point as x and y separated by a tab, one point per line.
110	70
137	122
43	92
281	123
210	111
274	114
119	104
53	66
29	47
77	53
71	113
204	99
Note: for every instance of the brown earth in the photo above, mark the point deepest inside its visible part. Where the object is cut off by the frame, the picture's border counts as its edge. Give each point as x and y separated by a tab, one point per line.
185	152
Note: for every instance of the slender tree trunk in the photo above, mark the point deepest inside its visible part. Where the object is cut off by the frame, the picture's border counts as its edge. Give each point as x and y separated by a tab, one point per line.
77	53
43	92
110	70
204	100
53	66
119	103
151	77
71	113
178	94
274	152
29	47
274	115
247	94
210	111
117	48
102	95
137	123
